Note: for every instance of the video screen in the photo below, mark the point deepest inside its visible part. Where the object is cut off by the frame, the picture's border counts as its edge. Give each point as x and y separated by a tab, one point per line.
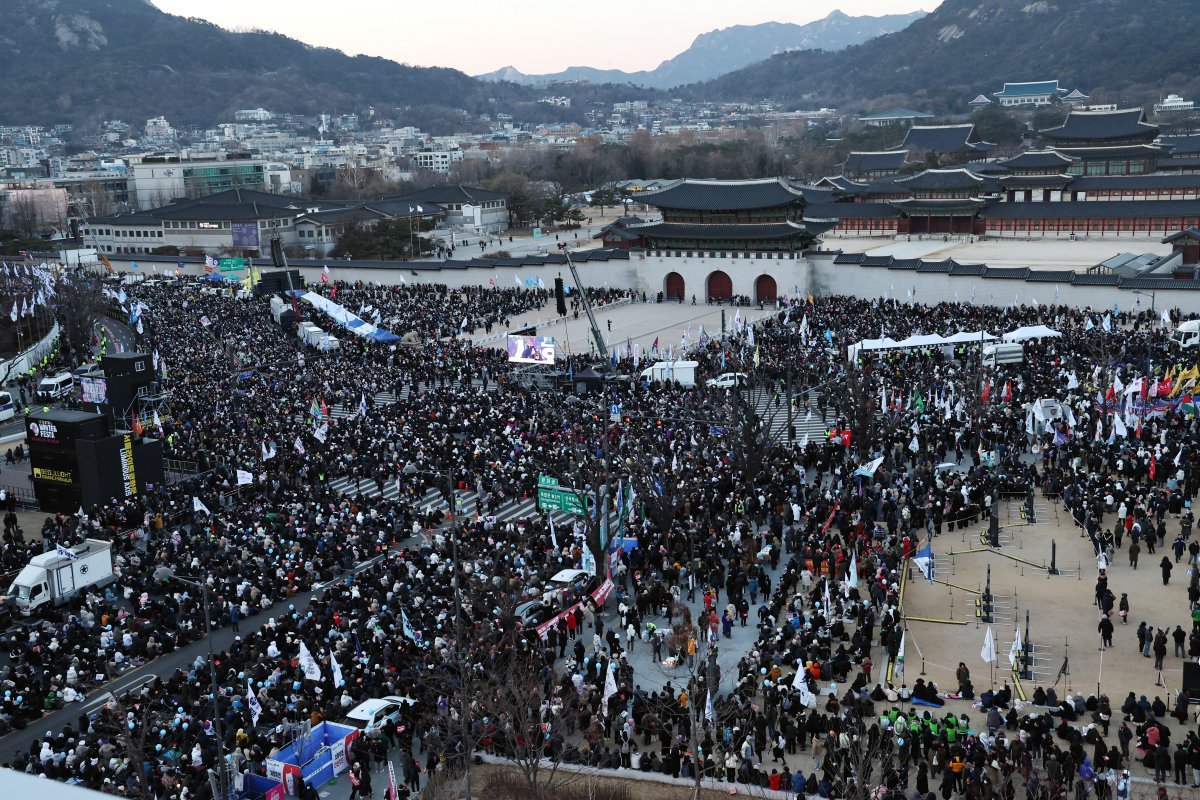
531	349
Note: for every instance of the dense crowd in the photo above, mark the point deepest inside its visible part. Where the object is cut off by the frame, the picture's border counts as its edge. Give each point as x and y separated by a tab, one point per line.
730	527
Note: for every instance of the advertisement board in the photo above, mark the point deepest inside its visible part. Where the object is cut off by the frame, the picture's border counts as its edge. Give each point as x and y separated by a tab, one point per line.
245	234
95	390
531	349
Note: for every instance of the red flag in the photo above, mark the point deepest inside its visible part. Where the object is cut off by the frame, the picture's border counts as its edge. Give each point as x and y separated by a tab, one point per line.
325	275
987	392
1153	467
1145	388
1007	395
1137	434
324	408
846	437
333	292
137	425
1109	395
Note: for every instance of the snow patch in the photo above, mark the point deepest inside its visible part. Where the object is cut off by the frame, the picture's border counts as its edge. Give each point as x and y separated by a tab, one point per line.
1040	7
949	33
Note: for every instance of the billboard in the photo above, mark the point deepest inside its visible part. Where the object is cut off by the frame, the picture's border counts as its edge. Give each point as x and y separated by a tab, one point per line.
245	234
95	390
531	349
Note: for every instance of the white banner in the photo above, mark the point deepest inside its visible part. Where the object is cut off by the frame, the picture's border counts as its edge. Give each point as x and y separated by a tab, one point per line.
244	477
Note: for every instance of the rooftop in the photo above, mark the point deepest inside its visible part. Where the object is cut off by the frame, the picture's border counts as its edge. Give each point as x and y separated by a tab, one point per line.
711	195
1029	89
1128	123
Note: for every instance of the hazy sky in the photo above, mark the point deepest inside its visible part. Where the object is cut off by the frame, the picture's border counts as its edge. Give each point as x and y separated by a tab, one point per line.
535	36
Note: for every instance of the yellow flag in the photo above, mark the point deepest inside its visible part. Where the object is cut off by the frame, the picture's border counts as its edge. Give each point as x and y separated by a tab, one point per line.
756	356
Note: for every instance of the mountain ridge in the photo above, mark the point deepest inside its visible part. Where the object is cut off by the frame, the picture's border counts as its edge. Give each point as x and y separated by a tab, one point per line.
964	47
724	50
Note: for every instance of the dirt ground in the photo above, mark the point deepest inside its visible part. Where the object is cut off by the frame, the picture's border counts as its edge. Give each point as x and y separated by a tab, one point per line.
1060	609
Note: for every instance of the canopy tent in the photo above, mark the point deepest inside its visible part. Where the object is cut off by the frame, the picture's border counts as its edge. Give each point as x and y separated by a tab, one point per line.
352	322
1031	332
914	342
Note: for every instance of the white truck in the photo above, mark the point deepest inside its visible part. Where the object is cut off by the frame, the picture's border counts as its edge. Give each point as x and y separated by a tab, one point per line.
55	578
1003	353
682	372
1187	334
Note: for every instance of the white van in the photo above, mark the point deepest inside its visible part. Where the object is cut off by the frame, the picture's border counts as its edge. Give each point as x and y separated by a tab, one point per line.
8	409
55	387
1007	353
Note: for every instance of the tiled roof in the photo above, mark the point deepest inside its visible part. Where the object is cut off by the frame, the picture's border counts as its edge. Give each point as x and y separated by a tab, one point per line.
1037	159
1095	182
453	194
760	232
864	162
697	195
1029	89
1095	209
1101	125
940	179
942	138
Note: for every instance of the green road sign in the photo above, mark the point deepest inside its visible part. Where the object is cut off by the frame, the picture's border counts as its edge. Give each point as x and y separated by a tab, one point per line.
552	497
231	264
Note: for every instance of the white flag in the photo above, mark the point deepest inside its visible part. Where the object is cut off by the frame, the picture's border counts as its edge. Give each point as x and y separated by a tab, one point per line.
199	507
709	712
1015	651
252	702
205	321
988	653
65	552
553	535
1119	426
1166	317
338	680
309	664
244	478
852	575
299	445
610	687
157	419
321	433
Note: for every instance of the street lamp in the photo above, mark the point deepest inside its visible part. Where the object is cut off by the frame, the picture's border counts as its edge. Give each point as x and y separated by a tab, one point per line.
448	477
1145	293
162	575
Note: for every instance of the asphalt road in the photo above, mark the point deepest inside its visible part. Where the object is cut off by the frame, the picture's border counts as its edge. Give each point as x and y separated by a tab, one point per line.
161	667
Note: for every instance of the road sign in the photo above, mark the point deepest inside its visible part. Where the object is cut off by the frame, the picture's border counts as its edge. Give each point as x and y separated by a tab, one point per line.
614	412
552	497
231	264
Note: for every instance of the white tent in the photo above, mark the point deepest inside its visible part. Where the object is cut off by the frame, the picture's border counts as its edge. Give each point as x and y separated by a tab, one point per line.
1031	332
971	337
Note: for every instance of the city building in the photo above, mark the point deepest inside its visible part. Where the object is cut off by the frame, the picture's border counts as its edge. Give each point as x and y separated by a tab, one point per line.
466	206
893	116
157	180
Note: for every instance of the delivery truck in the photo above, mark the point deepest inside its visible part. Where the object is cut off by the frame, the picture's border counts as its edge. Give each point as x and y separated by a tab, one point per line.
55	577
682	372
1187	335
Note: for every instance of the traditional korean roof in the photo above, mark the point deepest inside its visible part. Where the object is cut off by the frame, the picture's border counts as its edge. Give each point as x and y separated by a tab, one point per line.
709	195
980	101
1180	145
1029	89
1075	96
1128	123
949	205
849	210
1085	209
750	232
941	180
1038	159
1186	233
944	139
1131	182
1115	151
870	161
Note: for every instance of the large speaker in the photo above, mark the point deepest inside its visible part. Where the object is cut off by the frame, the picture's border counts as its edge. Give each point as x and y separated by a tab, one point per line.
277	252
1191	680
54	439
559	299
277	282
135	364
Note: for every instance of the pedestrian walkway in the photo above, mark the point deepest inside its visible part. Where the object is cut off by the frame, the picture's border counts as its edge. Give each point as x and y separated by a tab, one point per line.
771	406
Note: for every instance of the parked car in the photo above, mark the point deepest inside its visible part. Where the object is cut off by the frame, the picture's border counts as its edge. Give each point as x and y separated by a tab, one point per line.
726	380
370	715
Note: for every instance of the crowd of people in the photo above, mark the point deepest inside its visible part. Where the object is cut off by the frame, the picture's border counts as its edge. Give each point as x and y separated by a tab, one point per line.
718	524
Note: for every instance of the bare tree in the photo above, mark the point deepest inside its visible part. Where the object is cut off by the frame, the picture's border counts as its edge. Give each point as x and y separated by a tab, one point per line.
78	302
25	214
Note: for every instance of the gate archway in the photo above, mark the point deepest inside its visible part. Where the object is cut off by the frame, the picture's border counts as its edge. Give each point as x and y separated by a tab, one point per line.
765	289
673	286
720	286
